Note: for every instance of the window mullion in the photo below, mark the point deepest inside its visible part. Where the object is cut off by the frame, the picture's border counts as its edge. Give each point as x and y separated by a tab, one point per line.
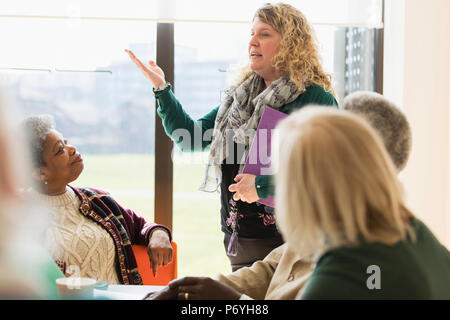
379	55
163	145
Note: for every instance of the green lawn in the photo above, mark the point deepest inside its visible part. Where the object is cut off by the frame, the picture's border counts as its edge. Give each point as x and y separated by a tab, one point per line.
196	222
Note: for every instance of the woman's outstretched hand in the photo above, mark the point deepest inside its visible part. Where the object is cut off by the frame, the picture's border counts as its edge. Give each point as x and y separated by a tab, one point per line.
153	72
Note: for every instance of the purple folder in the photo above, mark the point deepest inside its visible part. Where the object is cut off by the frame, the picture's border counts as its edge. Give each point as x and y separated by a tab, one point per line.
258	161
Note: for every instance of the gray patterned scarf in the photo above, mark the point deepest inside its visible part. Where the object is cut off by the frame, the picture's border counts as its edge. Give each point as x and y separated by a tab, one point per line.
239	114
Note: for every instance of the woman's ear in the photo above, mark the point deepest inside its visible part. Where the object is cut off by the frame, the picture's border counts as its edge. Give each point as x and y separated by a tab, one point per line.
40	175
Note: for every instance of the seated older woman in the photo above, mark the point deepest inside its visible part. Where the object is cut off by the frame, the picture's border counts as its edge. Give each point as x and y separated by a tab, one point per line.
90	233
340	206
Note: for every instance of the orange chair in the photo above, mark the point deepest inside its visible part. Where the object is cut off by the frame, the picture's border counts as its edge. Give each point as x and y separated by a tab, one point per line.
165	274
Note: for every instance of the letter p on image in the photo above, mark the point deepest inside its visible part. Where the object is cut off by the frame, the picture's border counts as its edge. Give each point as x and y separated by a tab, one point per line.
374	281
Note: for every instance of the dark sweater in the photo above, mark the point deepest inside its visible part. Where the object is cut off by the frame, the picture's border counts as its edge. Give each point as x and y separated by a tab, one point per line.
407	270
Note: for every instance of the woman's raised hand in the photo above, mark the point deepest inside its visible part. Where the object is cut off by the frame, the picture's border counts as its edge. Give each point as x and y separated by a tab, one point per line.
153	72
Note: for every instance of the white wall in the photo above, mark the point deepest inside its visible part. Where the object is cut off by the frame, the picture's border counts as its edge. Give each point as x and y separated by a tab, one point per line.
417	78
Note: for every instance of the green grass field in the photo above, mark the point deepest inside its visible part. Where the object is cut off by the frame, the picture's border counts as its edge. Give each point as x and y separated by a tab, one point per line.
196	222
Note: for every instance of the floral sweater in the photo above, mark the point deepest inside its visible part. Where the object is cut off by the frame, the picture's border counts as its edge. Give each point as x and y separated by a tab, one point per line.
252	220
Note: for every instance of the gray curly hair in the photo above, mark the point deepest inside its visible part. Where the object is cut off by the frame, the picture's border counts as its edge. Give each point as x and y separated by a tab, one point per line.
387	119
36	129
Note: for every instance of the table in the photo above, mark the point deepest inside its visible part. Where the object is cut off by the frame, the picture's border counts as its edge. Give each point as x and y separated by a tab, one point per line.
125	292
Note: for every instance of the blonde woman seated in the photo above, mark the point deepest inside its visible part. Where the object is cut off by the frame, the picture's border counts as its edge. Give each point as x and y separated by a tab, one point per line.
339	206
346	209
90	233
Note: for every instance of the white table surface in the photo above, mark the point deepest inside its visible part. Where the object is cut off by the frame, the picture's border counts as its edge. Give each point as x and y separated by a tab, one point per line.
124	292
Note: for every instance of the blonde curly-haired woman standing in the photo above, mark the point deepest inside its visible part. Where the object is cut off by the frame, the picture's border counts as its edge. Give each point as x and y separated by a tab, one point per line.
284	73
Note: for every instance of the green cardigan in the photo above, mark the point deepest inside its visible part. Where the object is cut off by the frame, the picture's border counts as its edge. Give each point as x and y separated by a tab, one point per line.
405	270
174	117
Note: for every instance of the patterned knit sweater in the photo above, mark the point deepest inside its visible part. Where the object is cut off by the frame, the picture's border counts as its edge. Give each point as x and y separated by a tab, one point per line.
86	248
92	235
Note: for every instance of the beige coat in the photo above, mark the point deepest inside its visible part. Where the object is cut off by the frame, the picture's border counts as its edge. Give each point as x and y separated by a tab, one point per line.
280	276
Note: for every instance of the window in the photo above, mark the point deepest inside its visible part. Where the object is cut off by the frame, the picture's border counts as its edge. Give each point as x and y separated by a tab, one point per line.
202	57
80	74
66	58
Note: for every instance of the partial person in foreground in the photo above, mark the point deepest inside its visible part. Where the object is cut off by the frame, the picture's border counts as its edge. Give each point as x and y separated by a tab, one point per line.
26	269
90	234
348	232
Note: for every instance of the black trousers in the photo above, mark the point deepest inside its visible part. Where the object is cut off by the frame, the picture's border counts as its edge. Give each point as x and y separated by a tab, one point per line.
250	250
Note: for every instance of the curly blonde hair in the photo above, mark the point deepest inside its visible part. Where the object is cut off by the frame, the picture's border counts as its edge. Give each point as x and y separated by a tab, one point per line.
298	57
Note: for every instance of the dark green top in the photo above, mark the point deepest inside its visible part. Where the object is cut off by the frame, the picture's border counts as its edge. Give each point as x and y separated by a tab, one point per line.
257	220
407	270
174	117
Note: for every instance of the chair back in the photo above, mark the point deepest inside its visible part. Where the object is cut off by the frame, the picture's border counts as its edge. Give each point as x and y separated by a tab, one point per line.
165	274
